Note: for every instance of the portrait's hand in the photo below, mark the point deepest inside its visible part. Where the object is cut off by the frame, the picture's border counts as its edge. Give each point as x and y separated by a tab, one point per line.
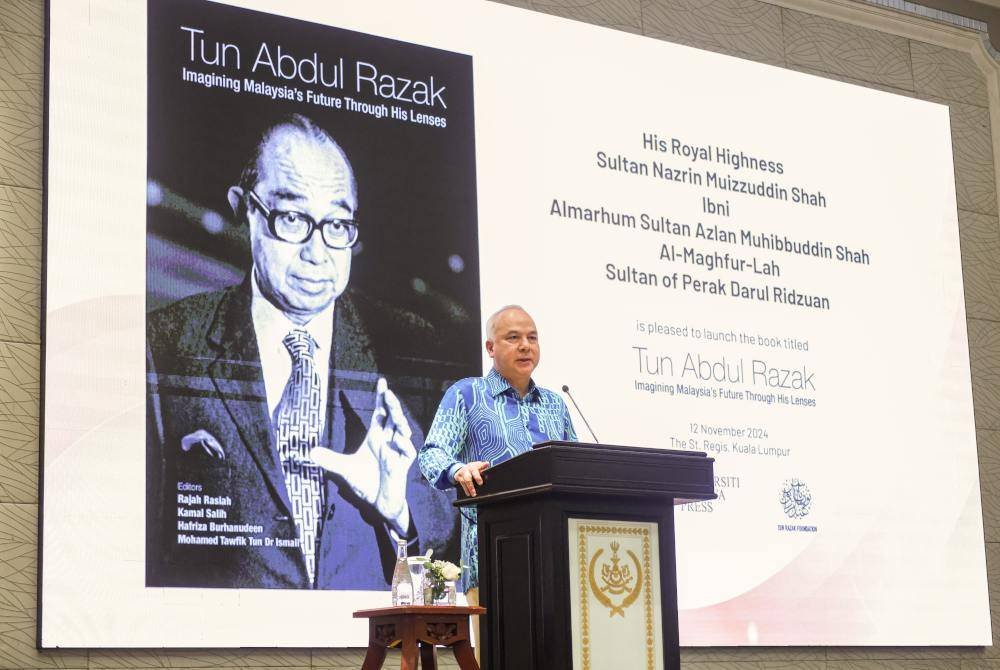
469	475
378	471
204	440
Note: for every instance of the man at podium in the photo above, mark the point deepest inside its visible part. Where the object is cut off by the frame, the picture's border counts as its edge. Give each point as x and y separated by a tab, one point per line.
482	421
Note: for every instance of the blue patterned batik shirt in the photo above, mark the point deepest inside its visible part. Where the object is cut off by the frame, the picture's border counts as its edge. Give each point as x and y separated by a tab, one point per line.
484	419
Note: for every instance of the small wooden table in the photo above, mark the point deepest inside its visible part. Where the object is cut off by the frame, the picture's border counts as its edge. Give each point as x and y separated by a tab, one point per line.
428	625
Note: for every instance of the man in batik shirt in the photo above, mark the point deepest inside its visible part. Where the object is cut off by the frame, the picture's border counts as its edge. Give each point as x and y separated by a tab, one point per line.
482	421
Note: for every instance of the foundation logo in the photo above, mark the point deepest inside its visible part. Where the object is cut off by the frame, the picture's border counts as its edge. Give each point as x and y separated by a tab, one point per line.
796	499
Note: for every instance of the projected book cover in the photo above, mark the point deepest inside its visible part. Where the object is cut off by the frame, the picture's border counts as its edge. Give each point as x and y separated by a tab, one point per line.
312	282
234	391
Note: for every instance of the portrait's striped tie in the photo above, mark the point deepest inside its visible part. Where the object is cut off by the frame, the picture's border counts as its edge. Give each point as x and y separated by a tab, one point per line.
299	420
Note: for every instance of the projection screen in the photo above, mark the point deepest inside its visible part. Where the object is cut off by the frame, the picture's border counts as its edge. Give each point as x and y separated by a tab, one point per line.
721	256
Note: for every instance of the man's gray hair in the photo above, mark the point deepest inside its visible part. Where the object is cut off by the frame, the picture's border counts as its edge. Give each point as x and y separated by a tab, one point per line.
491	323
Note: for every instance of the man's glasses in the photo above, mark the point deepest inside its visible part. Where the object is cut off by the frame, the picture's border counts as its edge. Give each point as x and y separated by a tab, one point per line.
296	227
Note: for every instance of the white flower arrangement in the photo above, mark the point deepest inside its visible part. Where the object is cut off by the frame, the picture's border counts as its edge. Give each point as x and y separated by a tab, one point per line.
439	572
449	570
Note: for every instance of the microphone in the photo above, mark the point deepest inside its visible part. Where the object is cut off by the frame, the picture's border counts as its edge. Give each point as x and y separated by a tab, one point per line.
585	422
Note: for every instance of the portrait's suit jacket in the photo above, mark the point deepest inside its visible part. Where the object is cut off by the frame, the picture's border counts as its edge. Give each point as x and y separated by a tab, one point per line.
204	373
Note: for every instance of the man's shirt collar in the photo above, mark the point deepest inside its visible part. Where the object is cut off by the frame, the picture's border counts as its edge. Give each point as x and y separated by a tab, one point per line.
498	384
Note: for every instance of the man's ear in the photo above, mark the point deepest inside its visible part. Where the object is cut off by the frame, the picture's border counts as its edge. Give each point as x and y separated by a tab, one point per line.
489	347
235	197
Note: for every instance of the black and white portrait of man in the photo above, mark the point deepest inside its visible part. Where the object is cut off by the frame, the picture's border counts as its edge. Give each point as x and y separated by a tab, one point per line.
287	399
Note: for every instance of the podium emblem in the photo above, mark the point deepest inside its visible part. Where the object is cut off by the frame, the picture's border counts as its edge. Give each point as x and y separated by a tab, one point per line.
616	580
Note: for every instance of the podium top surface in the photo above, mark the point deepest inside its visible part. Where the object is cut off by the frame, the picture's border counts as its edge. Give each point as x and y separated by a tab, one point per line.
598	470
619	448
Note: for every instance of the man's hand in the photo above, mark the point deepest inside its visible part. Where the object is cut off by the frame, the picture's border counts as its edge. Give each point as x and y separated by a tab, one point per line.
378	471
203	439
469	475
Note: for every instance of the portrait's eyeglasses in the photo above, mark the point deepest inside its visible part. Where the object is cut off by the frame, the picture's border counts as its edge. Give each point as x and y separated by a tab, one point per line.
298	228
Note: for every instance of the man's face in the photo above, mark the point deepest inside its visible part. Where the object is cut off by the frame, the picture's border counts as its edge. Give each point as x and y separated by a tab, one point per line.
513	346
311	176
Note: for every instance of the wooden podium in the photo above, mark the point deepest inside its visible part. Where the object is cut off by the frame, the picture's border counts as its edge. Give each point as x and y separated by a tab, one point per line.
527	507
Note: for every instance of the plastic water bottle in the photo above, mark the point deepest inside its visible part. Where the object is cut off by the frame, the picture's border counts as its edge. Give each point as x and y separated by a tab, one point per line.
402	586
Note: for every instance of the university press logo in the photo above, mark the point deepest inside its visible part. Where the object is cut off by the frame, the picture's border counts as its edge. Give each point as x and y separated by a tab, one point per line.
796	500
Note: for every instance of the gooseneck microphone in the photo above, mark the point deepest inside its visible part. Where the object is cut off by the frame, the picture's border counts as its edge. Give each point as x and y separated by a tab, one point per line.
585	422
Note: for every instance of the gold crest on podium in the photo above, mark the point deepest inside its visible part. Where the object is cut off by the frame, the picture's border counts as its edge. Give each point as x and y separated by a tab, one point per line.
616	580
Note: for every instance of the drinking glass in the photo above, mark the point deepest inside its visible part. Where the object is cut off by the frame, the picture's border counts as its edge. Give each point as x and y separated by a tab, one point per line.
416	566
